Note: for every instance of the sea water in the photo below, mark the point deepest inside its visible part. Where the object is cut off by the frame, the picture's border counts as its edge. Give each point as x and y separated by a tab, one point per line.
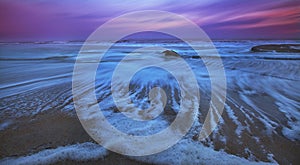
261	113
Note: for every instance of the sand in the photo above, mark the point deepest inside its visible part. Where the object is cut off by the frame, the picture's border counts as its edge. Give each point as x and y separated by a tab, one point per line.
53	128
46	131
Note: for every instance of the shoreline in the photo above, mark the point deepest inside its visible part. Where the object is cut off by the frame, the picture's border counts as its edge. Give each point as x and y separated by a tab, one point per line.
55	127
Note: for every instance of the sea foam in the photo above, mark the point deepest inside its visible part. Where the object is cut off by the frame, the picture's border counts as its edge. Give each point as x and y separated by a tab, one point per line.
77	152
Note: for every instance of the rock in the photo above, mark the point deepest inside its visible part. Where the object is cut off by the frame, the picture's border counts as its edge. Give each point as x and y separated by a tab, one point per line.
171	53
122	41
292	48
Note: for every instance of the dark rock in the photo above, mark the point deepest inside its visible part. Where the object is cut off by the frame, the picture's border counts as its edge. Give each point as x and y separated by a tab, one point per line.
122	41
292	48
171	53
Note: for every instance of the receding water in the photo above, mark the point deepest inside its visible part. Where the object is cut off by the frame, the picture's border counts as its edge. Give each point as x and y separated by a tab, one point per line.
261	118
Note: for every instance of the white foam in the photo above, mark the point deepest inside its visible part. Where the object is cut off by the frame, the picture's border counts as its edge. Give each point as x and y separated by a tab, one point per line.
240	128
77	152
269	124
293	131
191	152
186	151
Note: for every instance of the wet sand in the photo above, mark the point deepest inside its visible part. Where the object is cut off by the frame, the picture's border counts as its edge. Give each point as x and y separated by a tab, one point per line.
45	130
49	130
53	128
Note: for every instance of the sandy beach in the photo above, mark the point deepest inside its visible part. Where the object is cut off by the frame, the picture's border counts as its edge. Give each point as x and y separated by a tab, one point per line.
259	123
49	130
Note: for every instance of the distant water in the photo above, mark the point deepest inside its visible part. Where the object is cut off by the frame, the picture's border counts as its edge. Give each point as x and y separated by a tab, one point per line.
260	122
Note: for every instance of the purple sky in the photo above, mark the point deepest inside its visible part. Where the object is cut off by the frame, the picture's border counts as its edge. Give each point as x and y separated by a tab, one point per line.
76	20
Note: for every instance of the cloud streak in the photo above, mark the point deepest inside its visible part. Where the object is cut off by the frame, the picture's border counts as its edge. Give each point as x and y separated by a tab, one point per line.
67	20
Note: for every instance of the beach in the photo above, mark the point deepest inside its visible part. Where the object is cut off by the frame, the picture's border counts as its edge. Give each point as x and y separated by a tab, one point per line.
260	122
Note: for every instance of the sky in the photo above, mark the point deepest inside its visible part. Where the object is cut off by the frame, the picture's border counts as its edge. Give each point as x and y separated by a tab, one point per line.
29	20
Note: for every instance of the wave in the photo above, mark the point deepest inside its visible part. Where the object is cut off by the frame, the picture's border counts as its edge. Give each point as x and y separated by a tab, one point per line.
83	152
76	152
38	59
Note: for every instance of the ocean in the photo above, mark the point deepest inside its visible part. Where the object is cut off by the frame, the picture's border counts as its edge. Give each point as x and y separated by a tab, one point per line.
260	122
